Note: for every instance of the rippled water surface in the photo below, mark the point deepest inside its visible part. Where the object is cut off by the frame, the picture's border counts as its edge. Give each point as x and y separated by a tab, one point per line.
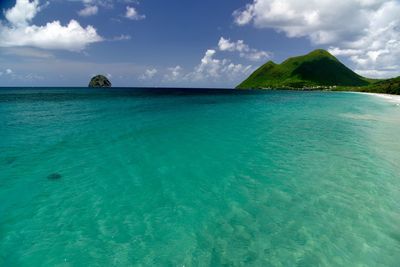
198	178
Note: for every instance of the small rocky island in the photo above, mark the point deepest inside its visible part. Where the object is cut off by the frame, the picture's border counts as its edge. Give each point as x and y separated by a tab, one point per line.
99	81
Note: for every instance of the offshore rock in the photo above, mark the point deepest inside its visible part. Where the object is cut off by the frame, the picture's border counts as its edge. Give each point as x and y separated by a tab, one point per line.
99	81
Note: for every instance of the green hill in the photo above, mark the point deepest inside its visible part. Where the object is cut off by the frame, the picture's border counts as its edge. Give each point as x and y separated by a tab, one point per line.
389	86
316	69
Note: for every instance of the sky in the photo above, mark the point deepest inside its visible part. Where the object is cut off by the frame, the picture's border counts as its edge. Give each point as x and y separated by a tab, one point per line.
188	43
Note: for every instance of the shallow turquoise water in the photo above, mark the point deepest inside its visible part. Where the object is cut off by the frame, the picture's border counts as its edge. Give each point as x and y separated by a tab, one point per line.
179	178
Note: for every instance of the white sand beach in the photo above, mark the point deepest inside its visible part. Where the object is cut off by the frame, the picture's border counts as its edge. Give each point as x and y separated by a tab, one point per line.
391	98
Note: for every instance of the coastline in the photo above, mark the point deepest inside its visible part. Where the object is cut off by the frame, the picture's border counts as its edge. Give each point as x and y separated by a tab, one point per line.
388	97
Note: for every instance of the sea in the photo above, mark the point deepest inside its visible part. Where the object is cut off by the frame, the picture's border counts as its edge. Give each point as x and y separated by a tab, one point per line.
198	177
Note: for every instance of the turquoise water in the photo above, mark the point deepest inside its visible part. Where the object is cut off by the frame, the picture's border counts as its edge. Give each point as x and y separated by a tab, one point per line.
198	178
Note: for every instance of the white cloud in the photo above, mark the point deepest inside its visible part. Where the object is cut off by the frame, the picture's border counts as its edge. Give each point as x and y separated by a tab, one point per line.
210	70
11	75
8	72
148	74
173	73
214	69
366	31
132	14
122	37
23	12
102	3
257	55
53	35
322	21
244	50
209	66
88	11
26	52
227	45
343	52
32	77
244	16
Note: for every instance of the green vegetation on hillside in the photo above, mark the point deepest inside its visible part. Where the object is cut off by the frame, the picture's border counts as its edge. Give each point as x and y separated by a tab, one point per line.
389	86
316	69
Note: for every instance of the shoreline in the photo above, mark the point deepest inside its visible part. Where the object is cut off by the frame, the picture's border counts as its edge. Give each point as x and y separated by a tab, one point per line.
388	97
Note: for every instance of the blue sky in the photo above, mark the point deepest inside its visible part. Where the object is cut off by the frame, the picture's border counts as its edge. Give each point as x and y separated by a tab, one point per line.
207	43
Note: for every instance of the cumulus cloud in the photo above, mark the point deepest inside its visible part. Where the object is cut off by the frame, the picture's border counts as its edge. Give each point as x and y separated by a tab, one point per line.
53	35
23	12
7	72
88	11
366	31
19	33
210	70
148	74
32	77
132	14
209	66
322	21
173	73
213	68
244	50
